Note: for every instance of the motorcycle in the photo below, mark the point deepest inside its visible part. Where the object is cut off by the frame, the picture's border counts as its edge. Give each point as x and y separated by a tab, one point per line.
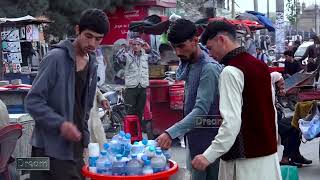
112	119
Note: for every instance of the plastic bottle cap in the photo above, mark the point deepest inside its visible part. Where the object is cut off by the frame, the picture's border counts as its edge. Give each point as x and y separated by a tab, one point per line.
106	145
158	151
147	162
103	153
119	156
144	157
144	141
151	148
94	149
128	136
134	156
136	143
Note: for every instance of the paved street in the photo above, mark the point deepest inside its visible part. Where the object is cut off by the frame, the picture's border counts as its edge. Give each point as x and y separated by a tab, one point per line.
310	150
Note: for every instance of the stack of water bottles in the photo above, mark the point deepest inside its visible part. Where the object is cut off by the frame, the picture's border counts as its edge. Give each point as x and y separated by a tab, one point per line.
121	158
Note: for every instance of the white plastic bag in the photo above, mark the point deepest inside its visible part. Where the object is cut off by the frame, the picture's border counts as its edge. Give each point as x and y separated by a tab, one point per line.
310	129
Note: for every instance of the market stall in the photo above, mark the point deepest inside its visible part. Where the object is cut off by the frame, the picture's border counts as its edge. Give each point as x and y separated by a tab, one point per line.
22	47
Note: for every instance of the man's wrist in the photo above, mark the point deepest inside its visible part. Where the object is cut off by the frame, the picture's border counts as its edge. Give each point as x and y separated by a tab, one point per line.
168	134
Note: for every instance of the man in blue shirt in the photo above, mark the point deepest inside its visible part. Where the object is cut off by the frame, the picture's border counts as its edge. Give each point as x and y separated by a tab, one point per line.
201	75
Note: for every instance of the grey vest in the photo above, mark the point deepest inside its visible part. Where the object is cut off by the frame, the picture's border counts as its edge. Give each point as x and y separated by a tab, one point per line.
136	70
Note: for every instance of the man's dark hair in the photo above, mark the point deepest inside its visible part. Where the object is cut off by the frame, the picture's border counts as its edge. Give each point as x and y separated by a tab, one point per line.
181	30
217	27
288	53
165	47
95	20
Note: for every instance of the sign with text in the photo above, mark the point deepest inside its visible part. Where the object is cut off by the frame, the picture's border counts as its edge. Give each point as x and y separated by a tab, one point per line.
33	163
119	23
209	121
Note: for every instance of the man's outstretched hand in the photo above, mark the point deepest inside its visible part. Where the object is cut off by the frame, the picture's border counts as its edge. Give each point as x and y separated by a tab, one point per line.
164	141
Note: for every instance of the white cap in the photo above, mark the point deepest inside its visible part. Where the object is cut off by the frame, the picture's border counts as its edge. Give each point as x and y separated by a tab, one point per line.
94	150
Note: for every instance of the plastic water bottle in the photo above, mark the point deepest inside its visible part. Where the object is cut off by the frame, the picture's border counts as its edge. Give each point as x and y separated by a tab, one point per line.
115	147
150	152
108	168
152	143
109	155
168	156
126	145
94	152
137	148
127	138
147	169
134	167
140	157
117	137
118	166
158	162
101	169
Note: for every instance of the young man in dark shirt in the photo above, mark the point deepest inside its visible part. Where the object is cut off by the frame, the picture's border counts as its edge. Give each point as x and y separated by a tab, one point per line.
291	66
61	97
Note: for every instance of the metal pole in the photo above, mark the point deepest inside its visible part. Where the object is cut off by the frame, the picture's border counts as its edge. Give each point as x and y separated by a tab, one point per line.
232	8
297	13
255	5
280	32
228	5
268	10
214	8
315	17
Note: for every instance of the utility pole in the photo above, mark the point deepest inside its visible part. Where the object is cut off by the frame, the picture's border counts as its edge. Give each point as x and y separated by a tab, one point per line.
315	16
280	31
214	7
268	10
232	8
255	5
228	5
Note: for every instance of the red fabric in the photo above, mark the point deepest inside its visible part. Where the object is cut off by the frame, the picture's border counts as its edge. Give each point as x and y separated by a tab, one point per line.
276	69
309	96
147	114
258	116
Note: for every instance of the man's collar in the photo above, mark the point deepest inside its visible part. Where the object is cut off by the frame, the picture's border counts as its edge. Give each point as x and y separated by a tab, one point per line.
232	54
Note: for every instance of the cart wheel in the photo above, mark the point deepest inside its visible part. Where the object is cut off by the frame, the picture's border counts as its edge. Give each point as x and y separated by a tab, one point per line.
149	129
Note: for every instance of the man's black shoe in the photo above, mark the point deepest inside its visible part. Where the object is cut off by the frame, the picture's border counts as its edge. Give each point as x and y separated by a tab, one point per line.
301	160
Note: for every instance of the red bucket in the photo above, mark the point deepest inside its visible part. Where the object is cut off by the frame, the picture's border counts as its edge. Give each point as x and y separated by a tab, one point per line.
159	91
165	175
176	93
